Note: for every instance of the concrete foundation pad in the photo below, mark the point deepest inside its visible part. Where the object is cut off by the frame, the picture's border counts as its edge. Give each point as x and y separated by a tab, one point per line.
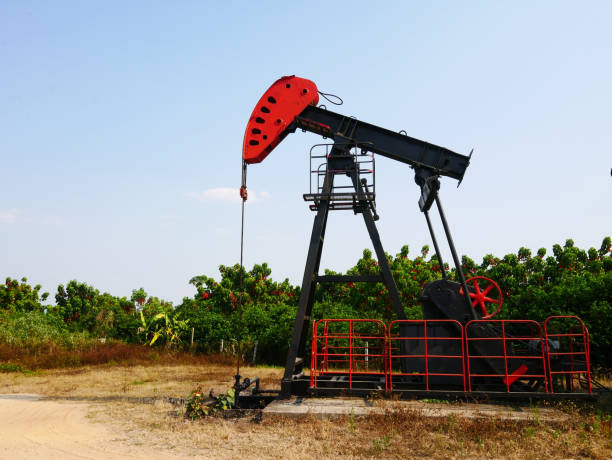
326	408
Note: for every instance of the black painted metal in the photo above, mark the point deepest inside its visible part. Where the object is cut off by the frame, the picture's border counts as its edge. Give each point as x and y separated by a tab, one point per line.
385	270
435	243
339	162
313	260
368	385
382	141
449	237
350	279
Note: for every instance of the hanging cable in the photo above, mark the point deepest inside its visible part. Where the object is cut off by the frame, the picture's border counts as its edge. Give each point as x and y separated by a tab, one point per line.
244	196
327	97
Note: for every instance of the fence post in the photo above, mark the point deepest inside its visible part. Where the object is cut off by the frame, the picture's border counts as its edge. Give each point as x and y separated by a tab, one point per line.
221	350
254	352
192	331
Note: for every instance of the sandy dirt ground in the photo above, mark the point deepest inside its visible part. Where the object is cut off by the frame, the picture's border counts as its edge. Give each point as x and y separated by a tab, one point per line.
34	428
110	412
97	413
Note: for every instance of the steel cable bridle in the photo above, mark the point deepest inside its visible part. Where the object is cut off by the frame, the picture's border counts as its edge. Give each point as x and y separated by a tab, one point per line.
330	98
243	195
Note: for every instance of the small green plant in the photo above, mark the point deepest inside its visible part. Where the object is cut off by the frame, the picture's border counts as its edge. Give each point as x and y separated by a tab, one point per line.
530	431
169	331
352	423
10	367
380	444
199	406
451	422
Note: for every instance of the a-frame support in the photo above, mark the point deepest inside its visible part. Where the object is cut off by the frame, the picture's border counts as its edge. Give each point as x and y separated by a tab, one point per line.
340	161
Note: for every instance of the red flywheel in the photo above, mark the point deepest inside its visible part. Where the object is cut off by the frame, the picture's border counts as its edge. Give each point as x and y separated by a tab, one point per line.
485	294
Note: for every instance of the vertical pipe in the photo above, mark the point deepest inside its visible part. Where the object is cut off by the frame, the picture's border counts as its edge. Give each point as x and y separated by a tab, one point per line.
313	357
572	359
455	258
507	379
435	243
550	374
462	354
467	355
544	371
585	333
426	357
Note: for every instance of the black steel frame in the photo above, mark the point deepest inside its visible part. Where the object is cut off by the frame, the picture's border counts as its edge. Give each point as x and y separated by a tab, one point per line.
340	161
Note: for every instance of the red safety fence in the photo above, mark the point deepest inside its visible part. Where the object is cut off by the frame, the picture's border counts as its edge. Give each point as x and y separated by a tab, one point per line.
415	355
348	347
569	360
484	355
508	350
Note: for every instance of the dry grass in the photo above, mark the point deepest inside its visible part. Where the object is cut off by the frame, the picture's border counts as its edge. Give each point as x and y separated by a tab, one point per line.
394	435
124	382
405	434
53	356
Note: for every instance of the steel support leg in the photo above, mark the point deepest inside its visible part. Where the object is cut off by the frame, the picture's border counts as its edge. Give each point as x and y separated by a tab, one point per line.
309	284
383	263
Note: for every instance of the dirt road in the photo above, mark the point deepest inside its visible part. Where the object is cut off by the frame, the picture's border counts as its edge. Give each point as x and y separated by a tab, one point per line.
31	427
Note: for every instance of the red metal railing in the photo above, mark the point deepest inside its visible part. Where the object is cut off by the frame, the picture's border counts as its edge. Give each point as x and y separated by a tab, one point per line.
418	348
572	345
348	347
524	343
482	352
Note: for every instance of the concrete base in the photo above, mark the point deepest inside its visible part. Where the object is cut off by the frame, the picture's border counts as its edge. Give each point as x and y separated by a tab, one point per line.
326	408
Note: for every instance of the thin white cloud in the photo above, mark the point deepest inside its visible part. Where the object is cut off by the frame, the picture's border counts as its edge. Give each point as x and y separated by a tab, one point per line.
54	221
226	195
8	217
13	216
168	218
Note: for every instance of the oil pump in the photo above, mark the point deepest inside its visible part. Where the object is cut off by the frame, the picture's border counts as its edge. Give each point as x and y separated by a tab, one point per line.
457	346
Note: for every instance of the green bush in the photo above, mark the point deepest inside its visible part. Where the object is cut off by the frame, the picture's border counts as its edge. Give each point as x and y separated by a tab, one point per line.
570	281
32	329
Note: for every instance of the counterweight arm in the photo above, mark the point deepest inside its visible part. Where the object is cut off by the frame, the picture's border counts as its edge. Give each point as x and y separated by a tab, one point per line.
291	103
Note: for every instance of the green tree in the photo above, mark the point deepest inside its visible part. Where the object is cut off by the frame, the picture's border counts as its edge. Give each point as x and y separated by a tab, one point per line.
19	296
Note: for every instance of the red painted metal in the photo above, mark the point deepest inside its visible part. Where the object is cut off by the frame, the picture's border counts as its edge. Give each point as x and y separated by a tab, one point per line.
350	348
482	297
514	376
426	356
578	347
355	352
275	111
534	336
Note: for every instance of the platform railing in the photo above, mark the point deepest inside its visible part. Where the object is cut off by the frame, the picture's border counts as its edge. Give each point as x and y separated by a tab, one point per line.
508	346
564	346
416	343
512	356
348	347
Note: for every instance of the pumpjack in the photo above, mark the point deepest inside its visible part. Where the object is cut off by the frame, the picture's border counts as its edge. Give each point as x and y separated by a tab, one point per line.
457	348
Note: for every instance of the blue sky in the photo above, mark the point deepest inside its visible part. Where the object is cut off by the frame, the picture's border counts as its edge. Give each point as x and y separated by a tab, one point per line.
121	128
